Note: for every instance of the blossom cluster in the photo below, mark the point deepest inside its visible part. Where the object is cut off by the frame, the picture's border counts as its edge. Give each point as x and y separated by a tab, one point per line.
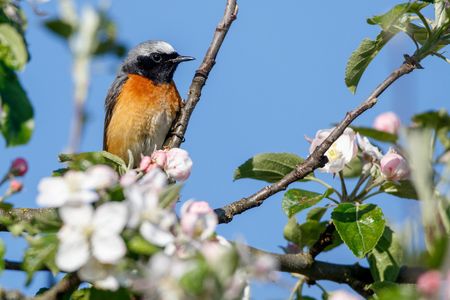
98	229
392	165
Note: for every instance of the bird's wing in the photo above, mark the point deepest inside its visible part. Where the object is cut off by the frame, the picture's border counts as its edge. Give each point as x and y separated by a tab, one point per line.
110	102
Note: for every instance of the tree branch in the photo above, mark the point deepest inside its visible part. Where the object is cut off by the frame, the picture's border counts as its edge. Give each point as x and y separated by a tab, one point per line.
175	138
314	161
26	214
66	286
356	276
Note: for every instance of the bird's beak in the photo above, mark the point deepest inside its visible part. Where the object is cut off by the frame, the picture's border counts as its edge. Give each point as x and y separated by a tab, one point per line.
181	58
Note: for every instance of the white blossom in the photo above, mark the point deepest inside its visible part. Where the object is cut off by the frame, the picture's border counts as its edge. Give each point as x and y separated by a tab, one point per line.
341	152
91	234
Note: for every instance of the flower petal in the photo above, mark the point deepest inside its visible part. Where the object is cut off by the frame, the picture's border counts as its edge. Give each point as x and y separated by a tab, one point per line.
108	249
156	235
73	252
77	216
110	218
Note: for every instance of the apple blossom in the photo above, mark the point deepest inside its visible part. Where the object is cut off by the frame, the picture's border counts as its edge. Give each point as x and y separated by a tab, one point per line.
142	198
394	166
91	234
73	188
429	283
387	122
19	167
341	152
178	165
198	219
102	176
369	150
103	276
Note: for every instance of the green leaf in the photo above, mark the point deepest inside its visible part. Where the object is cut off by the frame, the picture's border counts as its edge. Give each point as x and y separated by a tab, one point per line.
59	27
41	253
292	232
316	213
193	281
393	19
296	200
13	50
140	246
269	167
353	169
82	161
360	226
391	291
16	113
376	134
402	189
437	120
361	58
386	259
310	232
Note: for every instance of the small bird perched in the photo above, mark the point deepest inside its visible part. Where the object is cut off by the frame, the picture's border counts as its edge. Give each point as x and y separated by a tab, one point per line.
143	101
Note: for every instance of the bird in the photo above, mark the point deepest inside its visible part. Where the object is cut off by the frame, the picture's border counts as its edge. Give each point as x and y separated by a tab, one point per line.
143	101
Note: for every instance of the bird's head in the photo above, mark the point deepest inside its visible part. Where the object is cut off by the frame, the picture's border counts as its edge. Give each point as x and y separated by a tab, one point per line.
156	60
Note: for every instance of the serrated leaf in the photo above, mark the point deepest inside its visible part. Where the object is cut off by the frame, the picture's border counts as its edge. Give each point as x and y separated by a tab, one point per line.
361	58
41	252
296	200
16	113
391	291
391	20
96	294
378	135
316	213
269	167
387	257
13	50
360	226
402	189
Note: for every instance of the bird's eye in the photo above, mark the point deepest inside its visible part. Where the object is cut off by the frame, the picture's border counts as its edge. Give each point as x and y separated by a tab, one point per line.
156	57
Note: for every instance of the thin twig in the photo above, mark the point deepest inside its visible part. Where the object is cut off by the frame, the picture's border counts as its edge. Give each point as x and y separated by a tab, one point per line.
313	161
343	187
175	138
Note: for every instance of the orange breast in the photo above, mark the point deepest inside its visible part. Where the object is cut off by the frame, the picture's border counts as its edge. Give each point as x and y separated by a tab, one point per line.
142	117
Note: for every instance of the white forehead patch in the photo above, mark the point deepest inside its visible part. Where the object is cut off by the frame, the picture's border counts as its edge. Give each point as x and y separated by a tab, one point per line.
163	47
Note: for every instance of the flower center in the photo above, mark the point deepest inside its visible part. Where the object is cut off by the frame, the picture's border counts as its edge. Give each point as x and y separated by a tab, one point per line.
333	154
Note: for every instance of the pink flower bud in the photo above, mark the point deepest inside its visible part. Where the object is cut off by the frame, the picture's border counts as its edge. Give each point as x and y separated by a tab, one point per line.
15	186
429	283
19	167
145	163
387	122
394	166
178	165
159	157
198	219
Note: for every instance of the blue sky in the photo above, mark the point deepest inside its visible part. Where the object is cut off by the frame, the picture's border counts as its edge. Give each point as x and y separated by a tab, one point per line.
279	76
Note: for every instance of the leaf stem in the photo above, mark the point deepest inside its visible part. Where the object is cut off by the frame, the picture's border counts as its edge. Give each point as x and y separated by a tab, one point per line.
325	185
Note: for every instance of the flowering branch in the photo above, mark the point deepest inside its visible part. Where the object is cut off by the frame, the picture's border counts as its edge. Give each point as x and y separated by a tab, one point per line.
176	137
316	159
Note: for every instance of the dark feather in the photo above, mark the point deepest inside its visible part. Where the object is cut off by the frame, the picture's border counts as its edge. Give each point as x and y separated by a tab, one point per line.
111	100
